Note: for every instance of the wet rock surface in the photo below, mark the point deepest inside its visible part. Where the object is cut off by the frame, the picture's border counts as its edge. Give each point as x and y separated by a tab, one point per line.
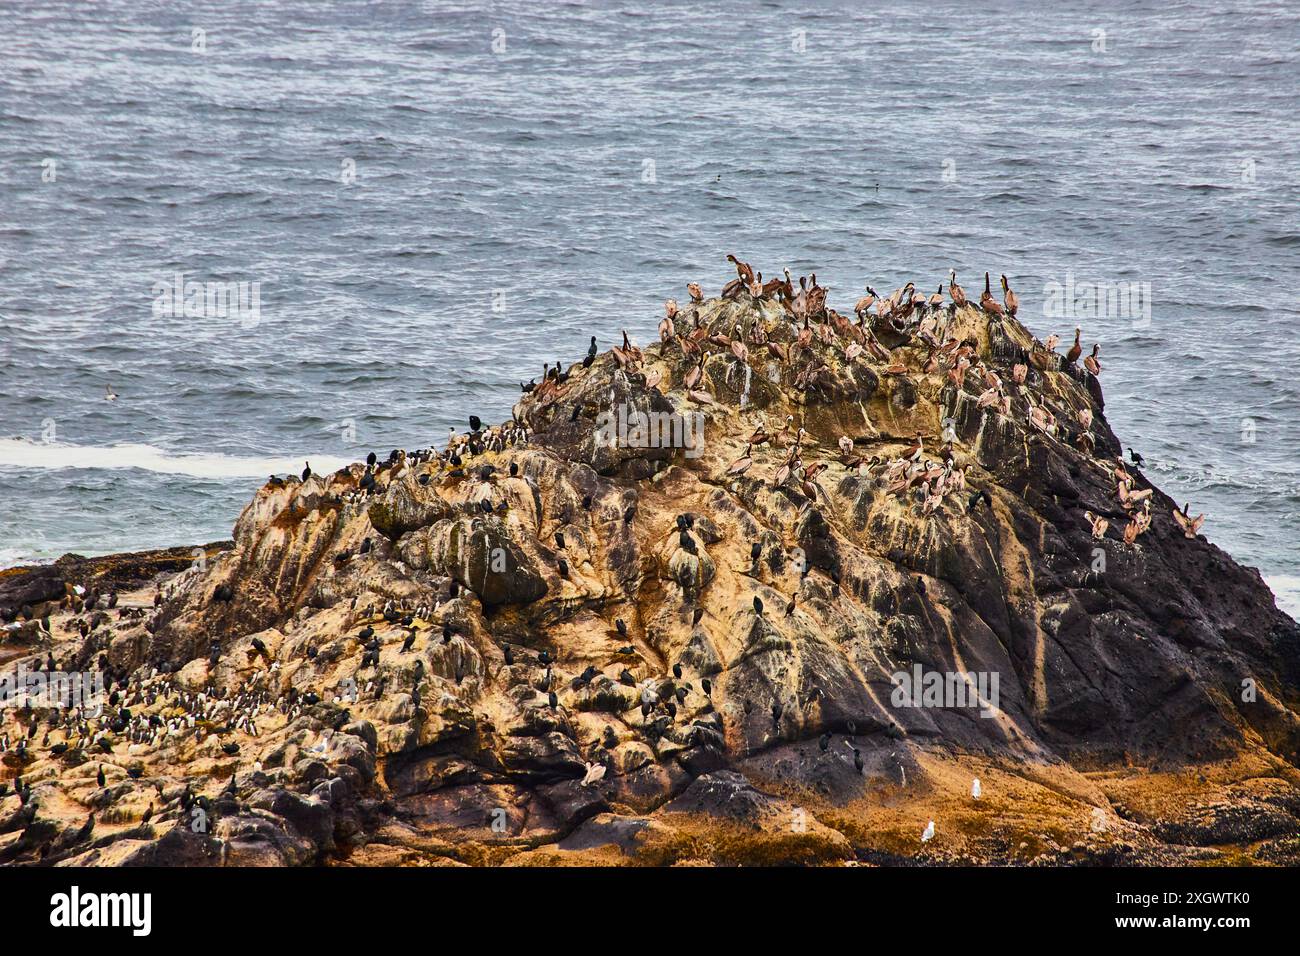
551	645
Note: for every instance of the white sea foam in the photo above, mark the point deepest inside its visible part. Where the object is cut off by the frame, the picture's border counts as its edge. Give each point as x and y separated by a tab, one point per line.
23	453
14	557
1286	588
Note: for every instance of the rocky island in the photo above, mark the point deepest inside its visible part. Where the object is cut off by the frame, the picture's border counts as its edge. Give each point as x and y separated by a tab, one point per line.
785	587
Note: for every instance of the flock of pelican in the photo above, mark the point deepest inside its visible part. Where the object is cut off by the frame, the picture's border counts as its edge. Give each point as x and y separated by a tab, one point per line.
924	321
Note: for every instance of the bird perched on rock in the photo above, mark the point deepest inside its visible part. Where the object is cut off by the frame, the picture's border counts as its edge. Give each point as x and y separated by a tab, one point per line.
1076	349
1191	526
1092	363
1010	298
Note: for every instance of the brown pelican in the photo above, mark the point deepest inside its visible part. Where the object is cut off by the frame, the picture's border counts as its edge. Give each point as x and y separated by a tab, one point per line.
1191	526
1076	349
1091	363
1012	300
741	464
955	291
987	302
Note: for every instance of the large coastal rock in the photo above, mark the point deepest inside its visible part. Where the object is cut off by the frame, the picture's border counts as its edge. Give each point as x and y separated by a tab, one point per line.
582	644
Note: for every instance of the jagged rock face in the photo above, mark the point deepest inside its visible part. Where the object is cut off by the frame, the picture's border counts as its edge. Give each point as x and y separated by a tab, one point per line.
1093	664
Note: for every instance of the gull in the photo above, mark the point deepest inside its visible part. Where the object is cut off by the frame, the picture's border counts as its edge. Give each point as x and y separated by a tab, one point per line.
109	394
975	789
928	834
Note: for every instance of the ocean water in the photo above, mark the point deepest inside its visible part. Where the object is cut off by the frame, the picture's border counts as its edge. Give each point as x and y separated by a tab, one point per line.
431	200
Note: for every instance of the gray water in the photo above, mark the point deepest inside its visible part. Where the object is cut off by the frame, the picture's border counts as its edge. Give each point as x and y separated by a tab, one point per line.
520	190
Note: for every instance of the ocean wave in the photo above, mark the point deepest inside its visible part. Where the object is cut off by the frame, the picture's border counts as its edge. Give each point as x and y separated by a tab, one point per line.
58	456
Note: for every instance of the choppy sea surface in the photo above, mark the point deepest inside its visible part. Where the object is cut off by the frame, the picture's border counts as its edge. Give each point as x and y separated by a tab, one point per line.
434	199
